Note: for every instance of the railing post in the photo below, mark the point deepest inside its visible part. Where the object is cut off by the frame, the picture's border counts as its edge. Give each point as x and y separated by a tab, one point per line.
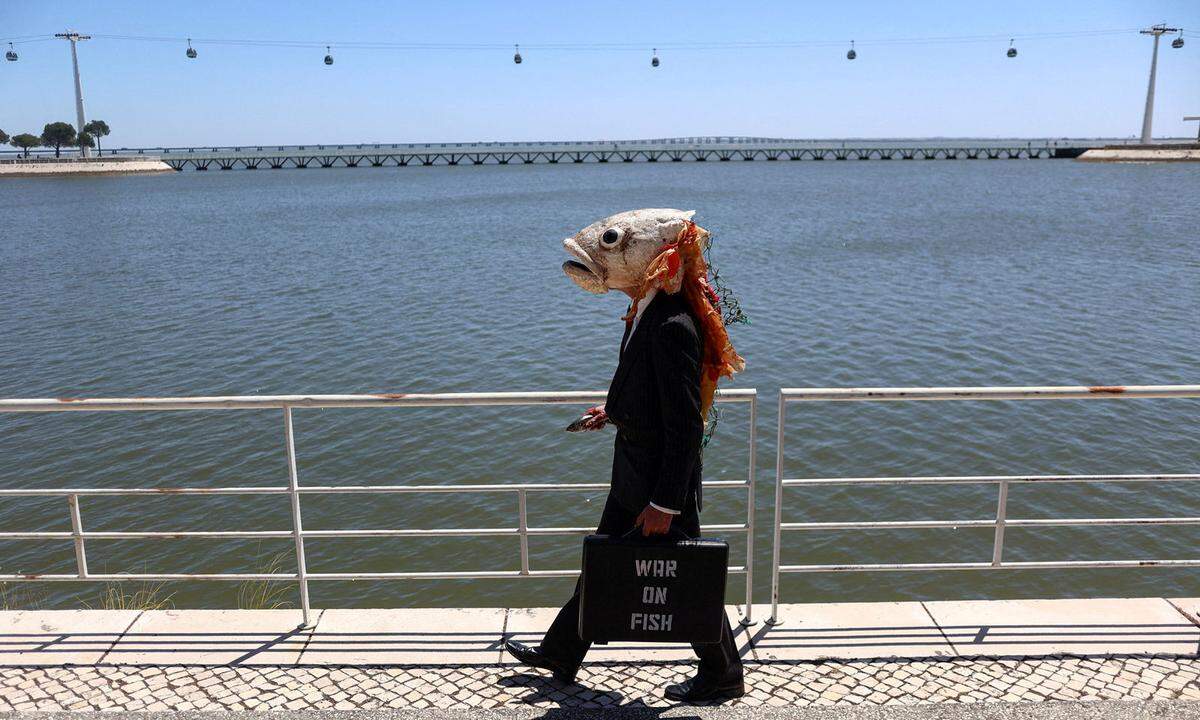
748	616
77	533
297	526
776	527
1001	519
523	529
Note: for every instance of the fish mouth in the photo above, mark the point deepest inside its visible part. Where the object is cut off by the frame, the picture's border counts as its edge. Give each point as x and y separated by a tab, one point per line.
583	271
574	267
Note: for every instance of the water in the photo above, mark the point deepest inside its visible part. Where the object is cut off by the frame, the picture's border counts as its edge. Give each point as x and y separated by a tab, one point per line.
446	279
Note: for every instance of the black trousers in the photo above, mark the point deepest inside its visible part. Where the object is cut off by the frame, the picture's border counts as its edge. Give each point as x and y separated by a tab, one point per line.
718	661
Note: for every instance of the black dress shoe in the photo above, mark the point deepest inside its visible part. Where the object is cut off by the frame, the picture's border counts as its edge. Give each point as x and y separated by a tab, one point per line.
700	689
536	658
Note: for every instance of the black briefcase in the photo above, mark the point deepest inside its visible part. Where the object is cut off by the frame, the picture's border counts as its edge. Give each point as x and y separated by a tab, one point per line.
652	590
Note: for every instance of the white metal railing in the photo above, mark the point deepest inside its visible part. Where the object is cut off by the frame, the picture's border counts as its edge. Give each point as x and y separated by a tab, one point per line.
79	536
1001	521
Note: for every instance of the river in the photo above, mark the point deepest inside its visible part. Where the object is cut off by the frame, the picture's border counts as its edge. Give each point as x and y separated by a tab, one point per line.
447	279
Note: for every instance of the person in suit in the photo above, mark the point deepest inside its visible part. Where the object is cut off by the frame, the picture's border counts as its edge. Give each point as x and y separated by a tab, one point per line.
655	402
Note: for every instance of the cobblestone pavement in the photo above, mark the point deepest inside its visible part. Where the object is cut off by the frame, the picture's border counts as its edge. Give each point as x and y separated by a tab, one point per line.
601	685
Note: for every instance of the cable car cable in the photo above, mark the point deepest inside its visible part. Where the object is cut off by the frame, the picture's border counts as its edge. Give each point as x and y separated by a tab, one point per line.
575	46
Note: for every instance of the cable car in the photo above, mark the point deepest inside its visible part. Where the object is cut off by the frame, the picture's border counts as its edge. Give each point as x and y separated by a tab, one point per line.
191	51
1012	51
852	54
328	56
1178	42
654	58
517	54
11	55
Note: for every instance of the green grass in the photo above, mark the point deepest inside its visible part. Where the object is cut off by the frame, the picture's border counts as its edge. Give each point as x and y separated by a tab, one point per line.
22	596
266	594
143	596
146	595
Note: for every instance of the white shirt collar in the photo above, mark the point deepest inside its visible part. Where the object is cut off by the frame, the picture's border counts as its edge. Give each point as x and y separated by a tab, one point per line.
645	303
641	308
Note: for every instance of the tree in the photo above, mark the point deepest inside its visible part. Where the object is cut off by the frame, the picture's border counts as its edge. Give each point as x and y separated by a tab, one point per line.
25	141
3	137
97	129
57	134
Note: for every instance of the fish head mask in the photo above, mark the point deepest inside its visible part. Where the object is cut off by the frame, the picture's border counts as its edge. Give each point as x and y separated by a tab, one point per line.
616	252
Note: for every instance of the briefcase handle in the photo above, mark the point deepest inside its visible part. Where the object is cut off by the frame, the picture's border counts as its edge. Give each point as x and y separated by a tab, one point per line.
636	534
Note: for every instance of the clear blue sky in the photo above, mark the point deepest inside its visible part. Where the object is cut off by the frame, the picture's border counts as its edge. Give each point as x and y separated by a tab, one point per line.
152	95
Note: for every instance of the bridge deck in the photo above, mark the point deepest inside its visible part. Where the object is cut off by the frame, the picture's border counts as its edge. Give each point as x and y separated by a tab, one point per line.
465	154
690	149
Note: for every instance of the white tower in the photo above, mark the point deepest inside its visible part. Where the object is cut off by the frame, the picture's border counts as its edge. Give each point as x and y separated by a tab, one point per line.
75	37
1148	119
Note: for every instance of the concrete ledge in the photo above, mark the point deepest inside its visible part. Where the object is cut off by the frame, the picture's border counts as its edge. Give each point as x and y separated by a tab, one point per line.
211	637
850	631
426	636
1134	154
1190	607
93	167
30	637
1150	626
474	636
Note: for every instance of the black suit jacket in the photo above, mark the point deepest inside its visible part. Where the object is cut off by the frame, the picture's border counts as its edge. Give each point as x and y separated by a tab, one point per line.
654	402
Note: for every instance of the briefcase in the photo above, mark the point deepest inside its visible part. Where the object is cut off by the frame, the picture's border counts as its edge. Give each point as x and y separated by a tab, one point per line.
652	590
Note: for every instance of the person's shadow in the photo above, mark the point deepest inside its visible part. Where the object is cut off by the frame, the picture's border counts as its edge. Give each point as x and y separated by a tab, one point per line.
571	696
576	700
625	712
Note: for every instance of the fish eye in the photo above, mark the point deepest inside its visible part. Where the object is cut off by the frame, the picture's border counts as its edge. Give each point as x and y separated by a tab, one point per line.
610	237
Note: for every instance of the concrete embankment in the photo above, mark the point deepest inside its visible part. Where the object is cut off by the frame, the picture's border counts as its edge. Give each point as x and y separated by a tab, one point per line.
1143	153
850	656
40	168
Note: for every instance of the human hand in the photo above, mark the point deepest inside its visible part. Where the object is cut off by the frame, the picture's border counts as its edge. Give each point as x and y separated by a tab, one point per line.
653	521
593	419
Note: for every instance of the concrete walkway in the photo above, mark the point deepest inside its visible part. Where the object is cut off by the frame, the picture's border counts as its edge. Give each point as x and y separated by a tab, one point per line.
857	654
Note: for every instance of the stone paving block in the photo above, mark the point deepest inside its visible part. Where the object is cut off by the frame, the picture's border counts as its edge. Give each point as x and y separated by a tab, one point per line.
529	624
1050	627
849	631
212	637
56	637
427	636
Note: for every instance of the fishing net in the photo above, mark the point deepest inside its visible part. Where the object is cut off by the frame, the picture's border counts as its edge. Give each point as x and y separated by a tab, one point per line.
683	265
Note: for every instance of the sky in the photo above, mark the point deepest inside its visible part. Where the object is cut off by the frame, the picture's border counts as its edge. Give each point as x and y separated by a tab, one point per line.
152	95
